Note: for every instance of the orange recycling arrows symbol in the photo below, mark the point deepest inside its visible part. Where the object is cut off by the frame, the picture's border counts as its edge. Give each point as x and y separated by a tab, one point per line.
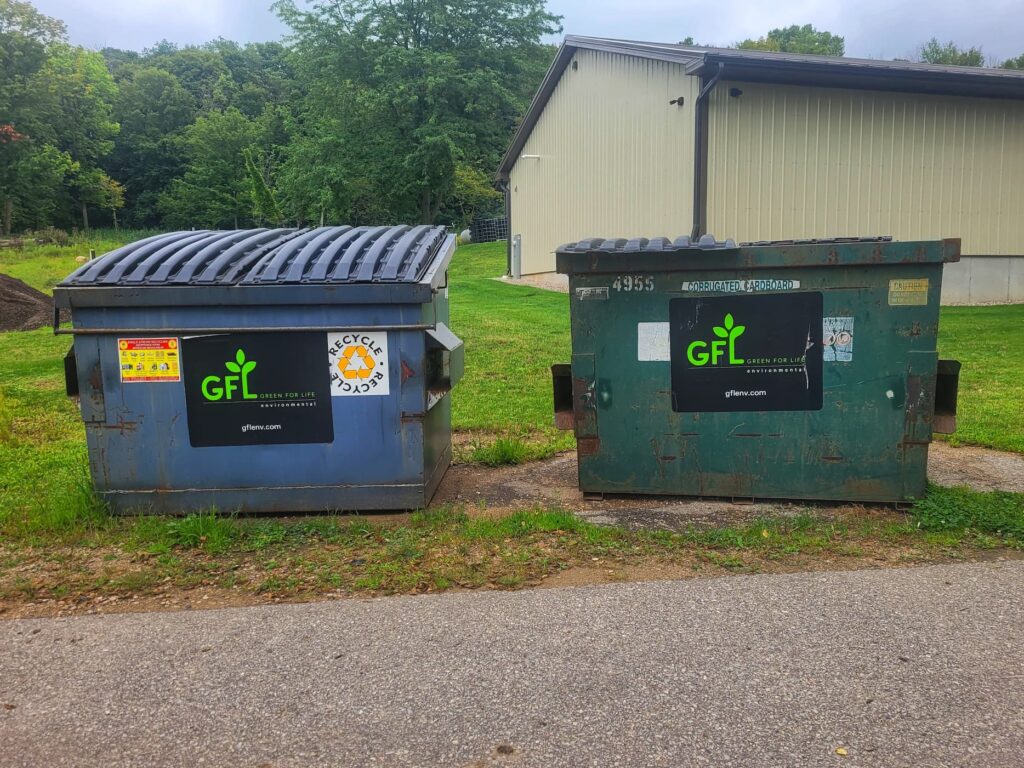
355	362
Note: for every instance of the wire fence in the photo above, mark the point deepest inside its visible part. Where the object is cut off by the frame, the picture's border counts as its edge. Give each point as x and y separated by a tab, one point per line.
488	230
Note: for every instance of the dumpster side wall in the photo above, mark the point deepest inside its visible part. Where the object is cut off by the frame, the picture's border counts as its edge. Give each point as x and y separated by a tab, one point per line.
868	441
382	451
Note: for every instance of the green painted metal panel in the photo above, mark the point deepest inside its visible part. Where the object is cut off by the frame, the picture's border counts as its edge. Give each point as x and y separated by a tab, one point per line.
671	396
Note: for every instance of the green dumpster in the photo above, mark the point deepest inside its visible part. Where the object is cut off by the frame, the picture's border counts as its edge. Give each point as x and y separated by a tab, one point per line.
785	369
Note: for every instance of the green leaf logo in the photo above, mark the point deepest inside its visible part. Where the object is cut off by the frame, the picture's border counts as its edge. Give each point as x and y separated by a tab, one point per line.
240	364
236	367
728	329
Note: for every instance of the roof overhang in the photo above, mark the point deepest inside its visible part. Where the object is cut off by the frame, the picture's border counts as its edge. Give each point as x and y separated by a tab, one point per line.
862	74
780	69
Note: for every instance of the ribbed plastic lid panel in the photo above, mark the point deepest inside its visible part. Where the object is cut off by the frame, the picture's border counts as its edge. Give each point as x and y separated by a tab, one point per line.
326	255
704	243
643	244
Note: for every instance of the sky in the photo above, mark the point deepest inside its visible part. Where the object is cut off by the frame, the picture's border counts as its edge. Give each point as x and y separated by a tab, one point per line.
872	28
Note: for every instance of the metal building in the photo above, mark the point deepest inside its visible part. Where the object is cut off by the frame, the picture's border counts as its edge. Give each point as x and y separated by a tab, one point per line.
626	137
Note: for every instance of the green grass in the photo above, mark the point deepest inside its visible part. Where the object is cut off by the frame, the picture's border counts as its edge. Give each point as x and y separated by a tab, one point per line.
49	515
43	266
446	547
512	334
961	509
504	450
989	341
43	461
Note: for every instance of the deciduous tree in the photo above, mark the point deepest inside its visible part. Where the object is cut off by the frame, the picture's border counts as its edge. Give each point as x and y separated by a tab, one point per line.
934	52
798	39
1015	63
405	91
214	190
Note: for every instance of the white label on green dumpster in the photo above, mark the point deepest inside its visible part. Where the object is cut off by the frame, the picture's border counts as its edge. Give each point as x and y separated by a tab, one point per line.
760	285
592	293
652	341
358	363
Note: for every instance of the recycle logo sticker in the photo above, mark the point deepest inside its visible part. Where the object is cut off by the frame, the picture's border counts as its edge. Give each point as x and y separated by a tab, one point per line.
358	364
355	362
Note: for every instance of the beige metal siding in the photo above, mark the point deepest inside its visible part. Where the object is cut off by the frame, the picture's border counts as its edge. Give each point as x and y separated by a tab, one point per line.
614	158
792	162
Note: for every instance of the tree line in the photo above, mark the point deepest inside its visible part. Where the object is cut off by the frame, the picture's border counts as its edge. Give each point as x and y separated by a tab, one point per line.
807	39
369	113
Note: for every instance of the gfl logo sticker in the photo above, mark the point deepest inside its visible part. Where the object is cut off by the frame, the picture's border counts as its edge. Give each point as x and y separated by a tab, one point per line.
224	388
697	353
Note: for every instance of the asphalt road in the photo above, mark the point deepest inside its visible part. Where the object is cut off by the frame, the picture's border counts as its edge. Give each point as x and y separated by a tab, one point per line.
916	667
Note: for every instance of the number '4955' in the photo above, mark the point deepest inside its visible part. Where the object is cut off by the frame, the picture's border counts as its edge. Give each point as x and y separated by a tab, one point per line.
633	283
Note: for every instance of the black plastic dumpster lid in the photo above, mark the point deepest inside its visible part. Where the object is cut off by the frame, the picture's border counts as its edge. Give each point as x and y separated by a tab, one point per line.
644	244
259	257
659	254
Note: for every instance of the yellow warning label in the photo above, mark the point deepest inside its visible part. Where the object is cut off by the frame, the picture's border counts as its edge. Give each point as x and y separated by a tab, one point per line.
908	293
149	360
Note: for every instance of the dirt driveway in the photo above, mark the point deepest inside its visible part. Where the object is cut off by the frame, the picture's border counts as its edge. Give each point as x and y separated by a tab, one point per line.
553	483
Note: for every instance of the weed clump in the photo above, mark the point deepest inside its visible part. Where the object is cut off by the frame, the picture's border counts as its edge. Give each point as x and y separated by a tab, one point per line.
203	530
961	509
502	452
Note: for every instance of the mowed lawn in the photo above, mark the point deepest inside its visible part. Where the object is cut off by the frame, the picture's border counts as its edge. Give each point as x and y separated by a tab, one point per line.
58	543
989	341
512	333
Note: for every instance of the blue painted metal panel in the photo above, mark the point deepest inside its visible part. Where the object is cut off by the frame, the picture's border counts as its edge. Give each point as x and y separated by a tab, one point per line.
388	451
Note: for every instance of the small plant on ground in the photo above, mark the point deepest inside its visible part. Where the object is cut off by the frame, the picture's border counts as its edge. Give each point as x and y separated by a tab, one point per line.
204	530
501	452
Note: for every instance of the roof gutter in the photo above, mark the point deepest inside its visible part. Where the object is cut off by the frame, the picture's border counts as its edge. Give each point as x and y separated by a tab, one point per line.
700	155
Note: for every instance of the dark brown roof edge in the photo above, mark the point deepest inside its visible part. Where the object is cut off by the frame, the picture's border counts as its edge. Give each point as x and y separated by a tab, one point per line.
778	68
540	100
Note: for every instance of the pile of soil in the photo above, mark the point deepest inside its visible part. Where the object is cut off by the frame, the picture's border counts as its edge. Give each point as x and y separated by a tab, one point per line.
22	307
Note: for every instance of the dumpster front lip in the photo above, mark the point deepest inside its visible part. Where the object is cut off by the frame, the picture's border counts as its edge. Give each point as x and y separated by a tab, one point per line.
242	329
589	258
66	297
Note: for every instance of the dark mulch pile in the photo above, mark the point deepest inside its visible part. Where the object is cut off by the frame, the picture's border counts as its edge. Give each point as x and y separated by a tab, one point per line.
22	307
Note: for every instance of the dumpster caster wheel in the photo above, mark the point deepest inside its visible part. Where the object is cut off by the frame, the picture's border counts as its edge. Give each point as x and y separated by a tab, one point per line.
588	496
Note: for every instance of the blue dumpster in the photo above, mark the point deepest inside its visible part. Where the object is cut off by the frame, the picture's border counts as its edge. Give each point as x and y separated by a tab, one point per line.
266	370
